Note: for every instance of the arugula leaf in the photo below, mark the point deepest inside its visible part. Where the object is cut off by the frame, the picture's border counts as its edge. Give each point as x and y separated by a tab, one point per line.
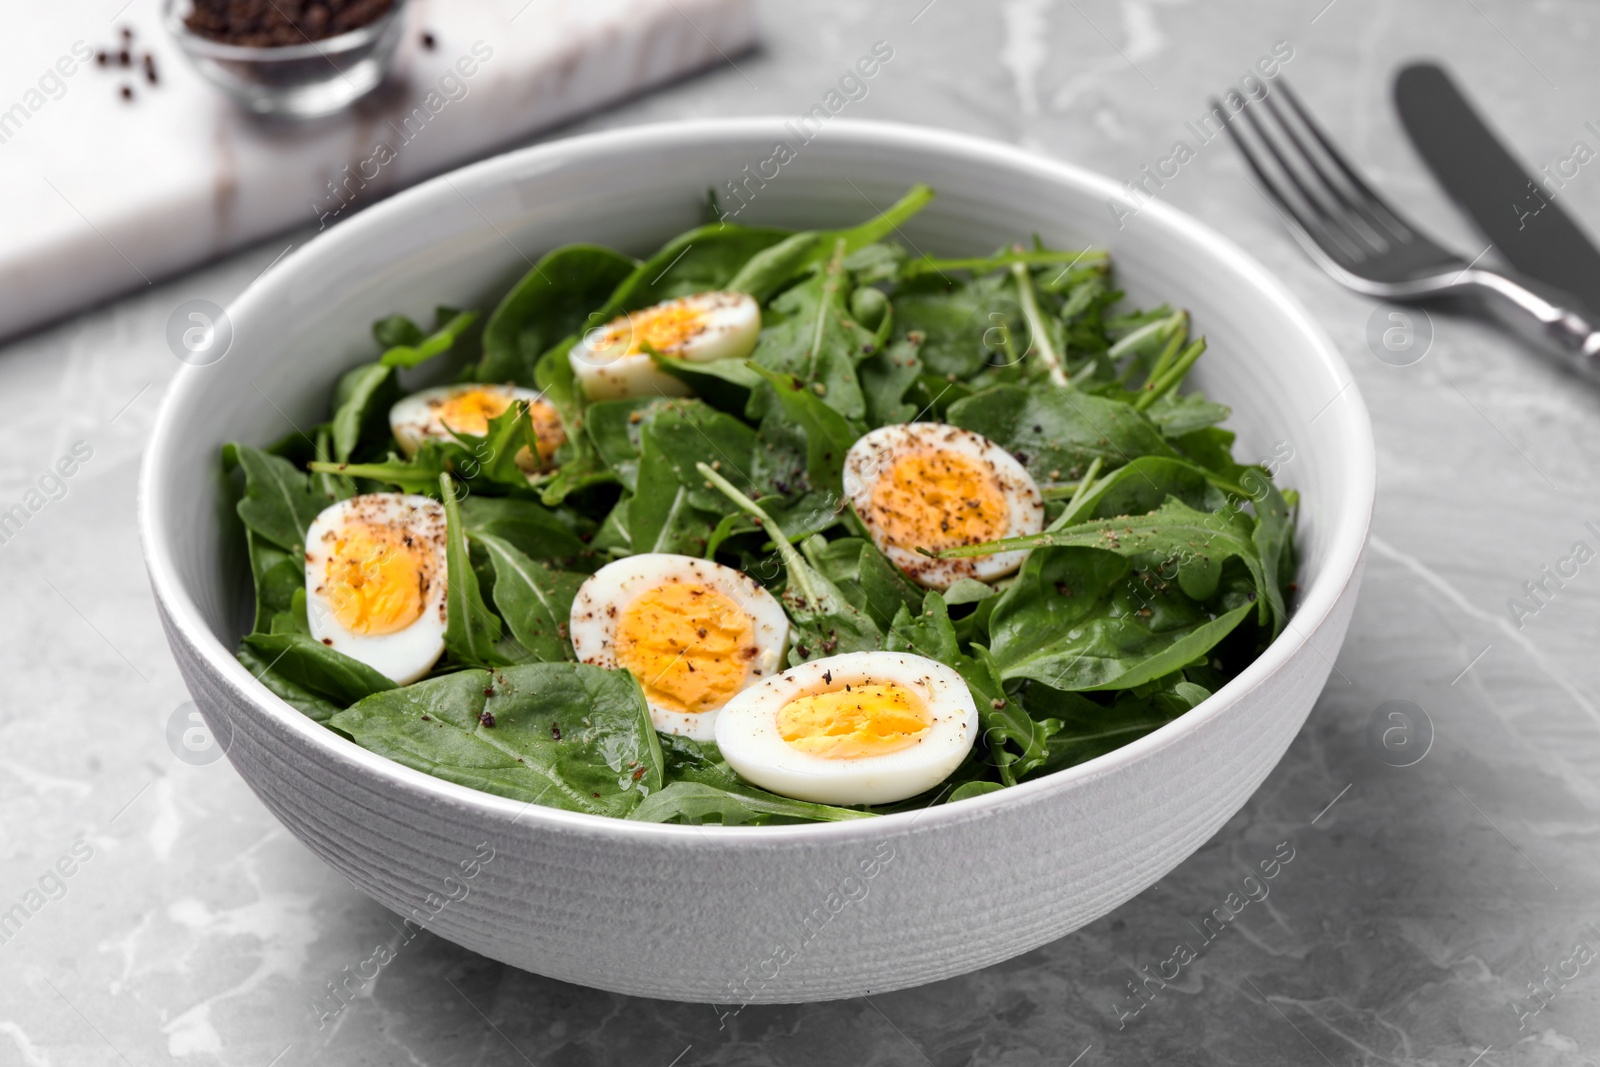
419	474
535	600
278	502
1057	432
471	630
1090	728
550	303
396	330
695	803
564	735
702	259
452	327
701	787
807	334
771	268
313	666
824	620
828	435
1004	721
886	376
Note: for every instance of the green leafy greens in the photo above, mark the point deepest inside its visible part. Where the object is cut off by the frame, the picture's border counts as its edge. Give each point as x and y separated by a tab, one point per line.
1165	565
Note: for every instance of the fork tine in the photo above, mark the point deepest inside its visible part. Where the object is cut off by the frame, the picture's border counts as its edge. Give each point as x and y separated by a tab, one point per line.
1301	227
1393	220
1335	226
1335	220
1376	231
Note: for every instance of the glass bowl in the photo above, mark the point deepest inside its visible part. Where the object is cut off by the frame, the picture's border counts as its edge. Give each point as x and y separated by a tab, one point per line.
294	81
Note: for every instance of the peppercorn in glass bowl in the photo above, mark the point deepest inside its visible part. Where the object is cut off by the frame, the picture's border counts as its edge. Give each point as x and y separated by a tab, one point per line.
294	60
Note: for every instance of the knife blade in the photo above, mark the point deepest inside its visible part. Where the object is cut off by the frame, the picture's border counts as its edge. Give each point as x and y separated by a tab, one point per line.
1518	214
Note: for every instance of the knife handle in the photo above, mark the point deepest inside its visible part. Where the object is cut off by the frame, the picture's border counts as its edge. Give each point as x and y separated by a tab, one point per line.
1545	315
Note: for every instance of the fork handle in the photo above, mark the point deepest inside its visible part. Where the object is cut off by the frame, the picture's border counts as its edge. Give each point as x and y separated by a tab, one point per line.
1546	315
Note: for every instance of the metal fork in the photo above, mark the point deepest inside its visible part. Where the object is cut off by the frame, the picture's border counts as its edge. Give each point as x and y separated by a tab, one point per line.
1366	244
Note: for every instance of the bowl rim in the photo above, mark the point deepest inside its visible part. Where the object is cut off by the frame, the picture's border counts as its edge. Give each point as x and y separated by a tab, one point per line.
1348	524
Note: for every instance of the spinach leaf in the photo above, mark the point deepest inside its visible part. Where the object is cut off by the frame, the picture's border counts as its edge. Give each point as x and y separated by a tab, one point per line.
550	303
277	574
1175	415
361	403
565	735
1056	433
530	527
1175	540
311	665
311	705
471	630
452	326
661	516
534	600
278	502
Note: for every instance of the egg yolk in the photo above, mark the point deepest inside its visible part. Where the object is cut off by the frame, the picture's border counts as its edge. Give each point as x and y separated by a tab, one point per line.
469	412
377	578
938	499
663	328
690	645
863	720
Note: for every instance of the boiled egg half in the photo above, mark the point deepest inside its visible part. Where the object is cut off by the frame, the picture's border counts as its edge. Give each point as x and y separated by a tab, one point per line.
441	412
375	582
861	728
693	632
613	360
932	486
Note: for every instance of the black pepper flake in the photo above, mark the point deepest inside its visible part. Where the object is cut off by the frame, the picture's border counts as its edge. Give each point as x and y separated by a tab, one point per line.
325	640
127	92
555	730
827	677
429	41
486	718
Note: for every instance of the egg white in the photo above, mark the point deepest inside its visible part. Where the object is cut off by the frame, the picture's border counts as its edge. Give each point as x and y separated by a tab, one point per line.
607	368
747	731
874	455
607	593
405	655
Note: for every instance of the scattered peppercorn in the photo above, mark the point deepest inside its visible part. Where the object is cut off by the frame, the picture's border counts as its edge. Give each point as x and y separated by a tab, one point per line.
429	41
555	730
486	718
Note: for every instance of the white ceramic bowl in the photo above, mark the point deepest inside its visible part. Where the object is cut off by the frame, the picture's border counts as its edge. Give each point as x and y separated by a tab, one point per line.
778	914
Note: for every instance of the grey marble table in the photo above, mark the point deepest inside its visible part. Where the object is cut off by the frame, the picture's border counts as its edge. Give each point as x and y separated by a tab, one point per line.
1423	905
